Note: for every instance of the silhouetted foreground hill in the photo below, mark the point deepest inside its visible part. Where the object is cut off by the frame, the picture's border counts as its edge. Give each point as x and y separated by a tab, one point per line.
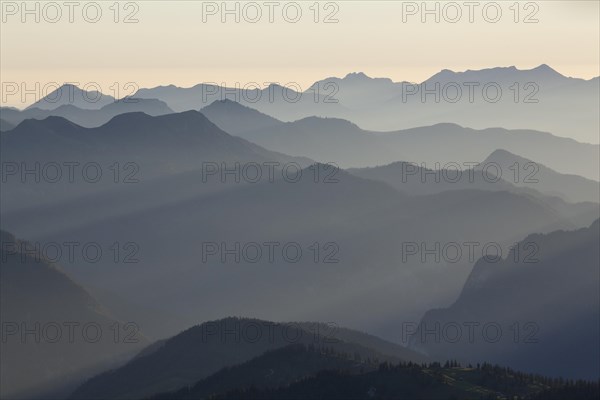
272	370
205	349
344	376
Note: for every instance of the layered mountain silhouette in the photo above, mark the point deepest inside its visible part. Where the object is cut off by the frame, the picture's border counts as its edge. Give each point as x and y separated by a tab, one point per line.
235	118
535	99
286	102
547	306
359	202
527	173
539	98
363	223
130	148
90	117
203	350
346	144
500	171
357	90
55	334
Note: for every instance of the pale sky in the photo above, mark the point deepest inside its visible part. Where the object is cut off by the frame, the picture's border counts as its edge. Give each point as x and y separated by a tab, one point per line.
171	44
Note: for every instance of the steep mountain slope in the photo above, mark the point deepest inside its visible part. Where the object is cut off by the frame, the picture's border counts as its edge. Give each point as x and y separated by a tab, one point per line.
235	118
527	173
54	333
546	308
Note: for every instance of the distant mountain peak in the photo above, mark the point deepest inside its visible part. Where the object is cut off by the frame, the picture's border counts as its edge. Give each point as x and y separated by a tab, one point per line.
357	75
547	70
504	156
52	122
227	103
276	86
544	67
139	118
136	115
331	120
501	152
72	94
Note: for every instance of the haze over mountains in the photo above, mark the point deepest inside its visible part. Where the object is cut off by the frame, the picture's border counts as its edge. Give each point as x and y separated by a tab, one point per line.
365	221
527	173
537	99
377	212
552	300
313	368
501	170
540	99
341	142
89	117
54	333
205	349
128	149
